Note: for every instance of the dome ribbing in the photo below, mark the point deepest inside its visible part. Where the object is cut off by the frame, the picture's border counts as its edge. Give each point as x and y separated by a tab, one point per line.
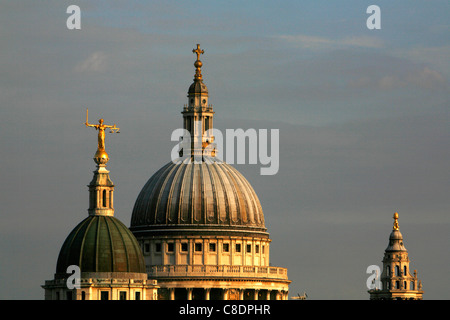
210	194
101	244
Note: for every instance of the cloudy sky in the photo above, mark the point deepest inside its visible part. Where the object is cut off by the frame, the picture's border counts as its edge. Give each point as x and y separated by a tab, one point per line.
363	118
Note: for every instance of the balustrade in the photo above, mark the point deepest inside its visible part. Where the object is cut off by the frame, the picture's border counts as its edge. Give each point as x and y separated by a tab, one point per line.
217	270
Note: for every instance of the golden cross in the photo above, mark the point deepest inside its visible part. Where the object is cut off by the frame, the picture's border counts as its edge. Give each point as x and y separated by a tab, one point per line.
198	51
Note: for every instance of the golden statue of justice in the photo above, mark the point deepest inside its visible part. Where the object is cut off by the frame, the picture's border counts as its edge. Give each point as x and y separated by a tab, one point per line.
101	157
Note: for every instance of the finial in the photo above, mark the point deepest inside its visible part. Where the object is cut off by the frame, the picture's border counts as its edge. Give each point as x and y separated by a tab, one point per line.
395	227
198	64
101	157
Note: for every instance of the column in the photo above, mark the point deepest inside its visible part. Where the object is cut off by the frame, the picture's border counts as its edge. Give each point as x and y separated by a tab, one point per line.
189	293
207	293
172	293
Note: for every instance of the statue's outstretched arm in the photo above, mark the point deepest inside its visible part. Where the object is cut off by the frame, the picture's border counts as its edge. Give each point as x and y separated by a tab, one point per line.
91	125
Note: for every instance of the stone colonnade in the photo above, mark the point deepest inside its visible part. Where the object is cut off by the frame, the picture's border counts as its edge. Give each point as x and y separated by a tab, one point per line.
225	294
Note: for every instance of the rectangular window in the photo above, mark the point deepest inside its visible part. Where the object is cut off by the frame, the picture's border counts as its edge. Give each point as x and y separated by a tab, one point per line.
158	247
170	247
212	247
198	247
238	247
184	247
249	248
257	248
137	295
146	247
226	247
104	295
123	295
104	198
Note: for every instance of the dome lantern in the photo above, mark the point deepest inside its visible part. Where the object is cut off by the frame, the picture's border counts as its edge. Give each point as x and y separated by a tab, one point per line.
198	115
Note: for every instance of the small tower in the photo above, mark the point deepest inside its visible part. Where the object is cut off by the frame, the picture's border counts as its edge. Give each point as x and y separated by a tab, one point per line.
396	279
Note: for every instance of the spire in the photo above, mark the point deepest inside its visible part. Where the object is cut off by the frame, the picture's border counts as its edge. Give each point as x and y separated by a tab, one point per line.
396	237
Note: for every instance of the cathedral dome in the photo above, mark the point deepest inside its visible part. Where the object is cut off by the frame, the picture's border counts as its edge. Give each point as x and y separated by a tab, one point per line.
209	196
101	244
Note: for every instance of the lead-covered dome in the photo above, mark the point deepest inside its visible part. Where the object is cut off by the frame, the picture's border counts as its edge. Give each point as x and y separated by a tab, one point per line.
101	244
197	88
209	195
396	241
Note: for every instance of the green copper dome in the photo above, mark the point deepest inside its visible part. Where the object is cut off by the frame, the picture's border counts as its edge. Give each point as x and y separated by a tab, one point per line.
101	244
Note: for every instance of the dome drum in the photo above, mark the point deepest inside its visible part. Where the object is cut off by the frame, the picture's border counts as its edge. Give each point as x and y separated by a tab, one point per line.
200	230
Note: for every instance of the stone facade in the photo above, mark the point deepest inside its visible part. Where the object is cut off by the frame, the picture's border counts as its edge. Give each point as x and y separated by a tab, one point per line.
103	287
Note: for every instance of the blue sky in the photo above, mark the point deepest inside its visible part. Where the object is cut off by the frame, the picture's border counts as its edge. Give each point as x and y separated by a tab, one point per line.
363	118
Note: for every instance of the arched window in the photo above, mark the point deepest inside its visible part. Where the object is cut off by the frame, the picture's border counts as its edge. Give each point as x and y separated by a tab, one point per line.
397	271
397	284
411	285
104	198
404	270
388	271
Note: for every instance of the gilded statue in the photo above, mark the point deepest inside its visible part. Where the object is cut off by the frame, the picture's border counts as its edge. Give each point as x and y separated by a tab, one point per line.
101	131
